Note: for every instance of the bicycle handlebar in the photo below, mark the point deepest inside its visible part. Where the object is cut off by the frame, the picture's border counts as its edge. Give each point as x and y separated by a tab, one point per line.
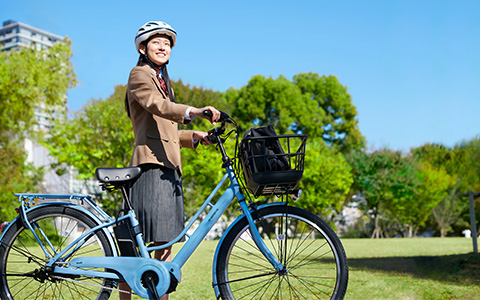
216	132
224	117
214	135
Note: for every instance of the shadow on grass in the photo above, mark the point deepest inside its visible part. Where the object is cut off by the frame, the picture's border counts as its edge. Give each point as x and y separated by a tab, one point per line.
463	269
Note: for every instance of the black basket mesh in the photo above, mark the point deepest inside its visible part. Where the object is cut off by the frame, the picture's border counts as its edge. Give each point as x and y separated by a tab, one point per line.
272	165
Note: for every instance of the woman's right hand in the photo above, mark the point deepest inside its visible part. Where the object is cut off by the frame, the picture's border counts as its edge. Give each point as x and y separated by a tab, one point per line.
198	112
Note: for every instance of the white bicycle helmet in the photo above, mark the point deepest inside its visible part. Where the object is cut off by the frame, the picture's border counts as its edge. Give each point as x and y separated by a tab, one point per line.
151	28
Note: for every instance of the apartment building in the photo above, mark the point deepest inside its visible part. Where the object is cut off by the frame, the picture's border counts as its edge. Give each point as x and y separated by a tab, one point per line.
16	34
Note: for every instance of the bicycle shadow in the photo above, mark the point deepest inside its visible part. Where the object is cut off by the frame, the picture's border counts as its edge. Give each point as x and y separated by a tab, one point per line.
461	268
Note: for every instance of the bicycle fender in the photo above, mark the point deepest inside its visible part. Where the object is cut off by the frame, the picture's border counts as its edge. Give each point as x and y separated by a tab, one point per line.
220	243
20	216
8	226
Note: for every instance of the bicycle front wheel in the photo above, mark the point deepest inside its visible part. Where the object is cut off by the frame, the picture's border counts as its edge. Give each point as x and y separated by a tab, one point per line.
314	259
22	261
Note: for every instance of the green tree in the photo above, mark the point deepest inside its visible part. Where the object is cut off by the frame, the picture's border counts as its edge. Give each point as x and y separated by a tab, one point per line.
99	135
317	106
33	79
380	178
415	204
202	166
198	96
326	180
17	177
461	163
201	172
334	115
29	80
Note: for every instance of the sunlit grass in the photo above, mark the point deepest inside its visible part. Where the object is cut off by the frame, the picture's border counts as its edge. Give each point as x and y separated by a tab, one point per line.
417	268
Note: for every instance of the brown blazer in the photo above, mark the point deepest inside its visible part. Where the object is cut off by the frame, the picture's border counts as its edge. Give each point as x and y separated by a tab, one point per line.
155	121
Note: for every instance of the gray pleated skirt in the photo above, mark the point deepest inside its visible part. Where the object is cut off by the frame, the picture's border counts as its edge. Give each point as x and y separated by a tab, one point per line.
157	199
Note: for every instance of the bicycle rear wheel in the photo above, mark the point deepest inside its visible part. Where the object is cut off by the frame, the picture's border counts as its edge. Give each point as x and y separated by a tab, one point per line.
22	261
315	261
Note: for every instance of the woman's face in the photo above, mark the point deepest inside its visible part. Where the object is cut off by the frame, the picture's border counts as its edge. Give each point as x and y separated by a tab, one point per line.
158	49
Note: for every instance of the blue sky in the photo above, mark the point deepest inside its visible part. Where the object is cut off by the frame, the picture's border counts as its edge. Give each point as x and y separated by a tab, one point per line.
411	67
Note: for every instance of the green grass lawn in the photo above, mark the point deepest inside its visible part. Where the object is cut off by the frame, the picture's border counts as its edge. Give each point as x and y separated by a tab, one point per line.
398	269
417	268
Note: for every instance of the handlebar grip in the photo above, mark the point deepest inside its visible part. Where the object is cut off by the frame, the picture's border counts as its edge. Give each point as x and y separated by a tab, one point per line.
224	117
208	113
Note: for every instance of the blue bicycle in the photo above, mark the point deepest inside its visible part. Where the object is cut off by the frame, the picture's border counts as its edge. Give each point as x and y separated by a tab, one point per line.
67	247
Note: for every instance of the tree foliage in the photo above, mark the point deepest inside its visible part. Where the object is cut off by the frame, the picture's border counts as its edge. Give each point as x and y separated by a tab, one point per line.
317	106
201	167
380	179
334	115
431	187
99	135
30	80
326	180
33	79
198	96
462	164
17	177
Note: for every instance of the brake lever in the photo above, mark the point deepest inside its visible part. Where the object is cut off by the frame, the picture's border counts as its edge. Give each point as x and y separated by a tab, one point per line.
211	139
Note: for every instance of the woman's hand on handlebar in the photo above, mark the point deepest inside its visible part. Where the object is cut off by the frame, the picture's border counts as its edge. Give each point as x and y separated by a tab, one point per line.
203	137
199	112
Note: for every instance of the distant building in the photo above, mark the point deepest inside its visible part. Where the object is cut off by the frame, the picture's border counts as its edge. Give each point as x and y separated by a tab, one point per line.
15	35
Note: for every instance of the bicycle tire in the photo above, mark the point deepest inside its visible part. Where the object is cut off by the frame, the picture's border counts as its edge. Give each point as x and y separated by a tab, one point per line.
315	260
22	259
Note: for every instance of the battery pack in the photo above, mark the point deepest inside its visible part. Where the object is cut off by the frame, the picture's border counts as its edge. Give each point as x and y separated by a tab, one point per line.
125	236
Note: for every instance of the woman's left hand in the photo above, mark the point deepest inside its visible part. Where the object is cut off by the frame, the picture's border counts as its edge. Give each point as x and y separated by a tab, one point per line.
202	137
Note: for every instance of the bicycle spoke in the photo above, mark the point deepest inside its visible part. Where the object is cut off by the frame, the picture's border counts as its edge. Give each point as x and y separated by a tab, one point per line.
315	285
254	291
24	252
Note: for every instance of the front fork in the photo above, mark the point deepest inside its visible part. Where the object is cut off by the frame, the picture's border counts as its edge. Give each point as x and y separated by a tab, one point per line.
259	241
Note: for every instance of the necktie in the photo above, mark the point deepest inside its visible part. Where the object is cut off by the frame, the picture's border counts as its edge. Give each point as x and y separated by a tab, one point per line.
162	83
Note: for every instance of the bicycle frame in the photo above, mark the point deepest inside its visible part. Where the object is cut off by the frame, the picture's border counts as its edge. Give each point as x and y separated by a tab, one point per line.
123	265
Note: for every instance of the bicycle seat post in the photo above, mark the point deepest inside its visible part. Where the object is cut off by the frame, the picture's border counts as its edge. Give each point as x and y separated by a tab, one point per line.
126	199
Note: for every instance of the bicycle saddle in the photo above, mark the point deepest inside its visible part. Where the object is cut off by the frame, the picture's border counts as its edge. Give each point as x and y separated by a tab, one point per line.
117	175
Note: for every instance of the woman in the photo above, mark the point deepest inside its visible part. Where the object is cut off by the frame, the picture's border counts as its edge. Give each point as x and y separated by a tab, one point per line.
151	105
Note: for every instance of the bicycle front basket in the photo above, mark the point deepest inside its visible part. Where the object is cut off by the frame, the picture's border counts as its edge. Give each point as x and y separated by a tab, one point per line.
272	164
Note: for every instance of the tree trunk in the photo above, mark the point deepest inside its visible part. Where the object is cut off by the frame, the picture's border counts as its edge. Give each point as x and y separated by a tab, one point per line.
410	231
376	232
442	232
